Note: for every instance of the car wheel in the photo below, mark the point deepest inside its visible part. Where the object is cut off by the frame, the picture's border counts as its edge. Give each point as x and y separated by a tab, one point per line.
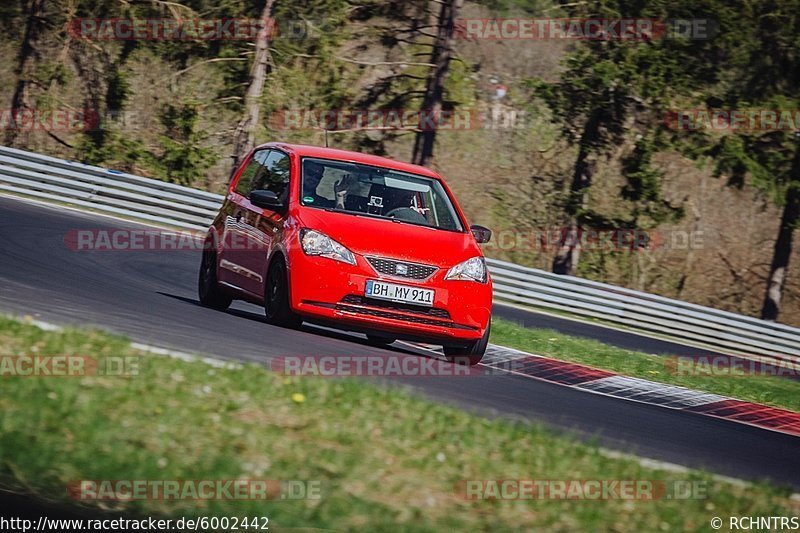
276	298
471	354
379	340
208	289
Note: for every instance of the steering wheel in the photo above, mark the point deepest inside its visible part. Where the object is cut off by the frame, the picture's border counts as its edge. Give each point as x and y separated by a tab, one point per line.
407	214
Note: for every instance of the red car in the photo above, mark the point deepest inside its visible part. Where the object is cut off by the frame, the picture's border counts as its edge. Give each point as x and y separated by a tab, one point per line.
353	241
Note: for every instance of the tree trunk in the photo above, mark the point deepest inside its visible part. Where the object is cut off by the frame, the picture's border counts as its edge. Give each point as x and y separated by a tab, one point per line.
566	259
27	63
434	90
244	137
783	245
569	251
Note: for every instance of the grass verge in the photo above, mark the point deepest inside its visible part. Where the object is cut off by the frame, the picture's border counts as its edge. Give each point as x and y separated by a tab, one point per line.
769	390
385	460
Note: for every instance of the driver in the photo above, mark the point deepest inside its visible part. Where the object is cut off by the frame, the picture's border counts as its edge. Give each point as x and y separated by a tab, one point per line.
311	179
312	175
342	187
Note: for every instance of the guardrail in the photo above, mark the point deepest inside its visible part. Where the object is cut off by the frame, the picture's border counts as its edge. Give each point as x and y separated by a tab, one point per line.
59	180
98	188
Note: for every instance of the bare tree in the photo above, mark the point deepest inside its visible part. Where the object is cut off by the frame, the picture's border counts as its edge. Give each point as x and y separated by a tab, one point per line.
568	253
441	55
28	57
244	136
783	244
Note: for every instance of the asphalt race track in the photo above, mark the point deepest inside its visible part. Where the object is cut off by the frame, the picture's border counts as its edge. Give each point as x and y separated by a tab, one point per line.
151	297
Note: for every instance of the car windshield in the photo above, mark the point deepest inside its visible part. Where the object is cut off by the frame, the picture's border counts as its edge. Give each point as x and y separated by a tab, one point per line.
378	192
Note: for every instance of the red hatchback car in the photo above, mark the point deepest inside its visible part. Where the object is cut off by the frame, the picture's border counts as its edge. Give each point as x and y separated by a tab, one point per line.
353	241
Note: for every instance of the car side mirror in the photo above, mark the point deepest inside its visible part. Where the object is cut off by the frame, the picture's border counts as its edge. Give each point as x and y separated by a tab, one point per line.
482	235
266	199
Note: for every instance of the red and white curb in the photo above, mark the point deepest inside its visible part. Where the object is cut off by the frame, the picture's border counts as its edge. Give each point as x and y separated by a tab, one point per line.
607	383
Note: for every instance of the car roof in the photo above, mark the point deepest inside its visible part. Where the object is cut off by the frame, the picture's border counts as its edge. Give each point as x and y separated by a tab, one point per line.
305	150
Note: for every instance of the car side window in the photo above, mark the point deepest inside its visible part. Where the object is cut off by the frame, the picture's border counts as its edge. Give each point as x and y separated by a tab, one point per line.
275	176
252	173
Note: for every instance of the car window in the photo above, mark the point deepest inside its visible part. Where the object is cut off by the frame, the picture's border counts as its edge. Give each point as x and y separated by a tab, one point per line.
252	173
275	176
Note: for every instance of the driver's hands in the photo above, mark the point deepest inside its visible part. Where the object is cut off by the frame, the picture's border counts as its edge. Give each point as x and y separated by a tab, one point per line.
341	188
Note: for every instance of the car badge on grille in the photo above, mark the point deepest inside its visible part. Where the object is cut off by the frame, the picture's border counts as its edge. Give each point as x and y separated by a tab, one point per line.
401	269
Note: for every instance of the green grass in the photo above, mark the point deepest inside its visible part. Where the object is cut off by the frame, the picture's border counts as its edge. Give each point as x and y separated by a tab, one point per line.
775	391
386	460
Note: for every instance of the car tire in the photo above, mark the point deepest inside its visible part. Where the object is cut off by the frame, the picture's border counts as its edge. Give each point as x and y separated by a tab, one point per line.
208	289
471	354
276	298
379	340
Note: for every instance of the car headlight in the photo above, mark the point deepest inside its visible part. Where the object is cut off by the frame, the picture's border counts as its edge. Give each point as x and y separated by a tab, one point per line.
316	243
470	270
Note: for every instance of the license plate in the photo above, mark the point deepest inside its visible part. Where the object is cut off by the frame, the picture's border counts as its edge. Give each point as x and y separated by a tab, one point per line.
399	293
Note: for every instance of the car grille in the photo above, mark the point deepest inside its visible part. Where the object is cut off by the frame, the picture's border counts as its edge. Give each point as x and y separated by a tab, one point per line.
413	317
393	316
354	304
401	269
432	312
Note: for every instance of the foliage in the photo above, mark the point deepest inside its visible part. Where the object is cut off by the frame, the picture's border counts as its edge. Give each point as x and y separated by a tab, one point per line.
184	155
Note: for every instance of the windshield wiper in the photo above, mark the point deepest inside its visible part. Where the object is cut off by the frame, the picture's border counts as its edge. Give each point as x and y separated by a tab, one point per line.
355	213
401	221
381	217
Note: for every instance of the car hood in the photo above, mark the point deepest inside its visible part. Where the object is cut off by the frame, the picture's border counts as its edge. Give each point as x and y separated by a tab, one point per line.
383	237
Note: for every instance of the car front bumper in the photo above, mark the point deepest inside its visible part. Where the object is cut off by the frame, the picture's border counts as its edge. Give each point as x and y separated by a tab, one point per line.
333	293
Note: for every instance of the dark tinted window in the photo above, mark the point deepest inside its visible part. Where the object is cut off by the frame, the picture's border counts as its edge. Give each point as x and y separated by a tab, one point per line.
252	173
275	176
